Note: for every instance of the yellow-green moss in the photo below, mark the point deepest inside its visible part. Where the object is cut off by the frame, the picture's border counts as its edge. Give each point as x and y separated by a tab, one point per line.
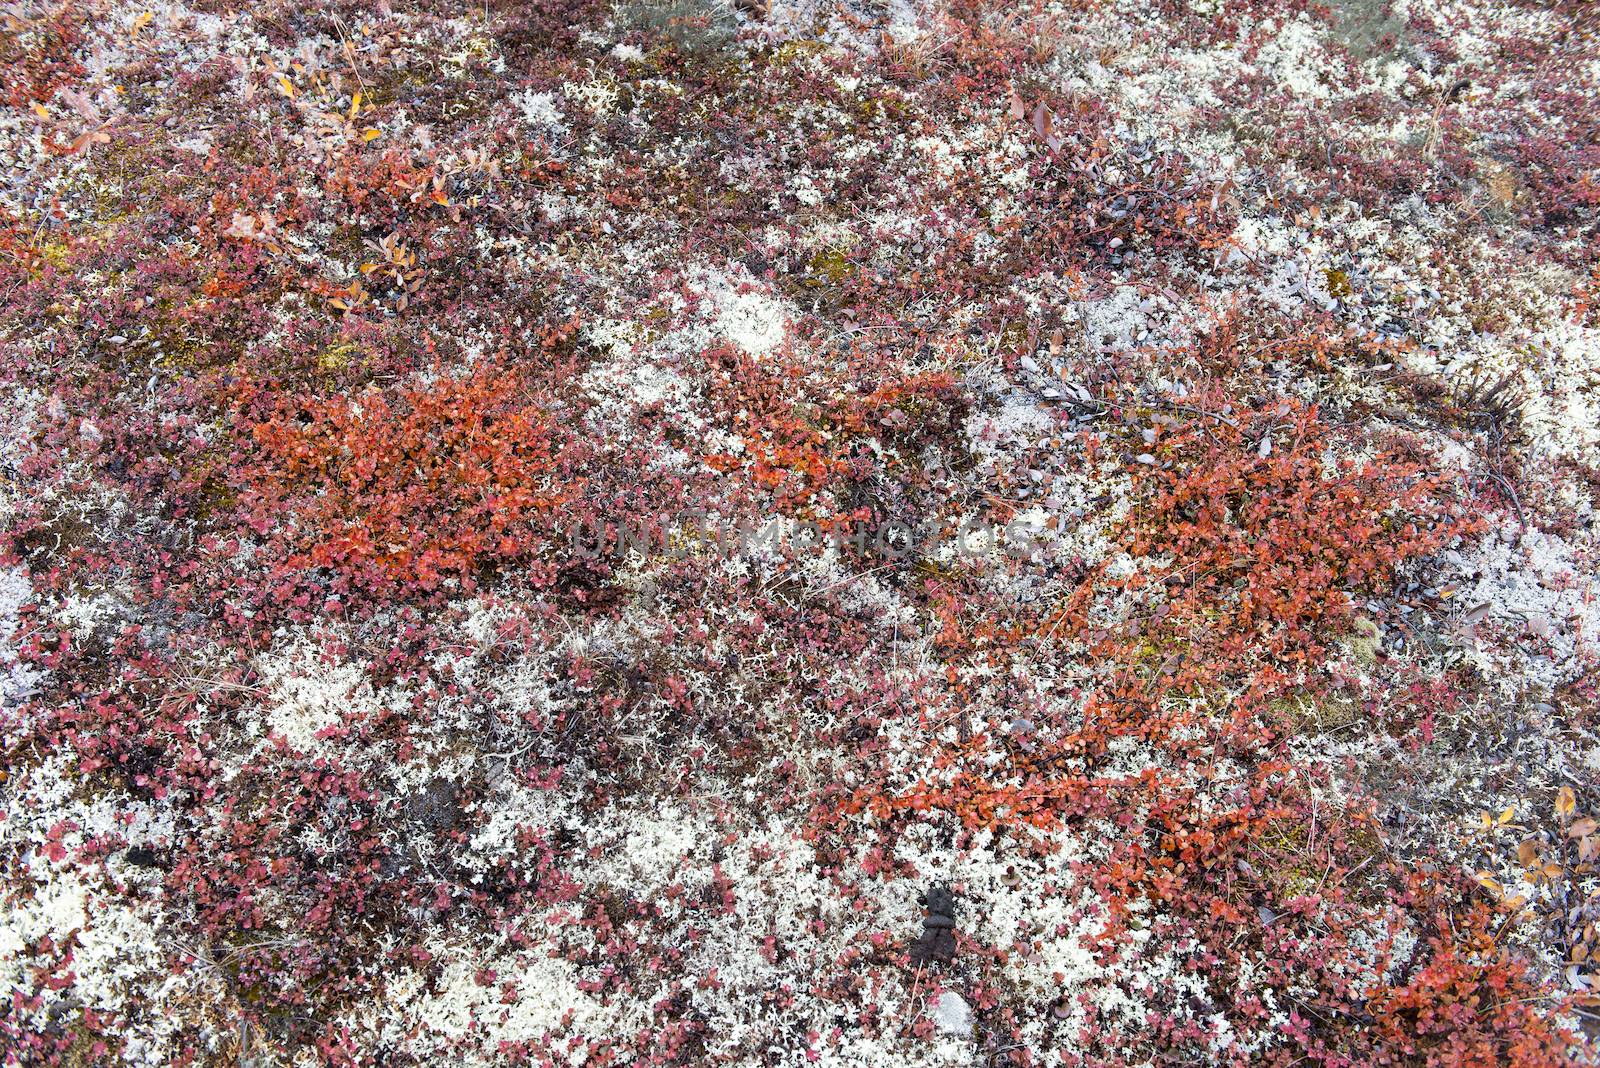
1364	640
1338	283
1309	714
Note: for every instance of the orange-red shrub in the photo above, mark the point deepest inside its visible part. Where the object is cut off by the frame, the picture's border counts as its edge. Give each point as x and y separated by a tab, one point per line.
1263	542
416	484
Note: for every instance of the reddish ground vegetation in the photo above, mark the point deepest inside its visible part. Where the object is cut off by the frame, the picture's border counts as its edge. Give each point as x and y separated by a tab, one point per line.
1256	341
409	487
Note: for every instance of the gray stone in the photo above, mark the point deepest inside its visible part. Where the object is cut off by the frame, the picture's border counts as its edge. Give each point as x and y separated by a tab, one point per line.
952	1015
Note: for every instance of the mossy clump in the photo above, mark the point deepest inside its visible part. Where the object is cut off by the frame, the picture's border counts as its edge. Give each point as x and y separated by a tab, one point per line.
829	266
1364	640
1286	861
338	356
1338	283
1316	713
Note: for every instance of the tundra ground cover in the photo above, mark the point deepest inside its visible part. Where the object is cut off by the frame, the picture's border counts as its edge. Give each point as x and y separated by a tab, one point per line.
327	326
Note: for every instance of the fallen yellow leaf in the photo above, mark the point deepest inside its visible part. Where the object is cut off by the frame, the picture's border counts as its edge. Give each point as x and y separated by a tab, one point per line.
1566	802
